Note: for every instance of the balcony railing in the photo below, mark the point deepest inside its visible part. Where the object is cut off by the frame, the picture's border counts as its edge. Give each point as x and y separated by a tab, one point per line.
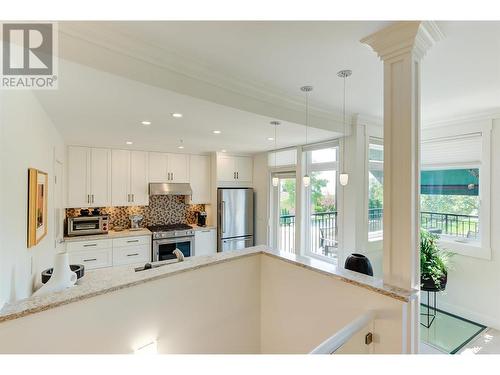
324	227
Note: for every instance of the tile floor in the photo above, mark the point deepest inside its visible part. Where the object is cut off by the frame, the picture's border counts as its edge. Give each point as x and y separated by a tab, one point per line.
488	342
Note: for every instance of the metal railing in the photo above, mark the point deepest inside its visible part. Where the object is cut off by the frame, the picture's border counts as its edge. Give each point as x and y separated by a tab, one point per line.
340	338
324	227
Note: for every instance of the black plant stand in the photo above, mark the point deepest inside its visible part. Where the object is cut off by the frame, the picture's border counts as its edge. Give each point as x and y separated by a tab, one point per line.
430	315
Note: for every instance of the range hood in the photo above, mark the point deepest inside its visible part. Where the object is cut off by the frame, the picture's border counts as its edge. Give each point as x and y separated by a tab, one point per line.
169	188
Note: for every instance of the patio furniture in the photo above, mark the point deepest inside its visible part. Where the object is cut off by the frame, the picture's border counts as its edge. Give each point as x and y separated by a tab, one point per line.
329	245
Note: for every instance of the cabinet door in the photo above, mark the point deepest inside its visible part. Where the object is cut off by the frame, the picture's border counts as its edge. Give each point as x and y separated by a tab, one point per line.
226	168
120	178
205	242
139	178
100	177
78	177
244	168
178	167
199	178
157	167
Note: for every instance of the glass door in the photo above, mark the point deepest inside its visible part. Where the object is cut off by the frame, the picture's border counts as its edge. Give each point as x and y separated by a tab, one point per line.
284	211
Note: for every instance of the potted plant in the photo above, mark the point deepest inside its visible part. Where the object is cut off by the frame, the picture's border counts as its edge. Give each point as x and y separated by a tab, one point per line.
434	263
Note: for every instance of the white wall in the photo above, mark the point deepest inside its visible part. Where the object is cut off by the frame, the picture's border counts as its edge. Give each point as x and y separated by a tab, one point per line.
473	289
29	139
261	189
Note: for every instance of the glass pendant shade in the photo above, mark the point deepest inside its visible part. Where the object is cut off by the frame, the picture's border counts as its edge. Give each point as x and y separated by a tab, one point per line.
344	179
276	181
306	180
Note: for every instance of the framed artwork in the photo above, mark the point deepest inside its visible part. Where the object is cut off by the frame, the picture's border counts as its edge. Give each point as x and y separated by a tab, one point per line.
37	206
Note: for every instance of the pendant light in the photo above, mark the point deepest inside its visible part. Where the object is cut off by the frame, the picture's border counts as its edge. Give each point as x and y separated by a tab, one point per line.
306	180
276	180
344	176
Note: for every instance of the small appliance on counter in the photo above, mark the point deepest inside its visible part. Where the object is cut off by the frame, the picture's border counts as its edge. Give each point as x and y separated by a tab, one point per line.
87	225
201	217
135	222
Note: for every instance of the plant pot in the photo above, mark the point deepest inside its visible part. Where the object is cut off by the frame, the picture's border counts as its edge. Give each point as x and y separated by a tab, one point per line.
427	283
359	263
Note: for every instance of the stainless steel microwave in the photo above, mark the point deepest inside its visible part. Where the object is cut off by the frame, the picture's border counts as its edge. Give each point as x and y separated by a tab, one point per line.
87	225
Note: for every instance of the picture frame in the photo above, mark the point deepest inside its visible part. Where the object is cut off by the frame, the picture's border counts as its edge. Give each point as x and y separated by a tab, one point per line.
37	206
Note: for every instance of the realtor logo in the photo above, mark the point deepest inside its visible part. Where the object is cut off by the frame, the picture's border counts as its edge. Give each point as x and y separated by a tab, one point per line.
28	56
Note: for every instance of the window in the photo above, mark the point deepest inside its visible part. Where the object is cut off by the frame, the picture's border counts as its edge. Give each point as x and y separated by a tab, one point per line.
375	189
321	201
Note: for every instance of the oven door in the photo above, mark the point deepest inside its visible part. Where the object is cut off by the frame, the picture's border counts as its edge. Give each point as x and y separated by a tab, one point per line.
164	249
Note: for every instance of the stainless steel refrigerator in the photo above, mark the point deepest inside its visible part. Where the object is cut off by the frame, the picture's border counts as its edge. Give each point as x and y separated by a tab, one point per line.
234	219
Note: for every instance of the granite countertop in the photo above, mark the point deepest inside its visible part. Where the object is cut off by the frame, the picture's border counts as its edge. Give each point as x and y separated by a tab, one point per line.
111	234
105	280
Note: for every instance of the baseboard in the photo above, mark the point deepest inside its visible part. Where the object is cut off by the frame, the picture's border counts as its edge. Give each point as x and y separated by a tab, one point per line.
486	320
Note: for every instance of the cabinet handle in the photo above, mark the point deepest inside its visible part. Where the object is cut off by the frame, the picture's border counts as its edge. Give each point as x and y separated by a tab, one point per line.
92	198
172	176
234	175
237	175
88	198
206	231
132	255
133	198
90	245
130	241
90	260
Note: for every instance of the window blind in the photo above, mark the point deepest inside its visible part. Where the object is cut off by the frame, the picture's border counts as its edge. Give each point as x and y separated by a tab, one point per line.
452	150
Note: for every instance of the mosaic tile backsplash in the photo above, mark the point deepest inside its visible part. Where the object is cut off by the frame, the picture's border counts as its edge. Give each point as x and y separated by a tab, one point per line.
162	209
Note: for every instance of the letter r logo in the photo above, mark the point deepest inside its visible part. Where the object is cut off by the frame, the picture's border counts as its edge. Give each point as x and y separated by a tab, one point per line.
27	49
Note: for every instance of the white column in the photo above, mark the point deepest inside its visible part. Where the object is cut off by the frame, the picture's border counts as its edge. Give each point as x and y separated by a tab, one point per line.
401	47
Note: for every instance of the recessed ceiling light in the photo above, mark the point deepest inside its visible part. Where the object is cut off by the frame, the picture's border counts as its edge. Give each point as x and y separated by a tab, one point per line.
216	132
146	123
222	150
180	147
270	139
177	115
129	142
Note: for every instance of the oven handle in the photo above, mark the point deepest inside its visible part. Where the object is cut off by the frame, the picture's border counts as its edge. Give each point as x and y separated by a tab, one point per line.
174	240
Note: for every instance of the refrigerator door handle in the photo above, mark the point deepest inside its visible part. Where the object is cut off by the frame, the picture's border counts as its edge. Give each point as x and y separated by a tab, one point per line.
223	217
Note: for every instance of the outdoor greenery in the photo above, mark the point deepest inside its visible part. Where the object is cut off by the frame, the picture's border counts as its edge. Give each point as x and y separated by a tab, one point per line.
450	204
320	201
434	262
376	195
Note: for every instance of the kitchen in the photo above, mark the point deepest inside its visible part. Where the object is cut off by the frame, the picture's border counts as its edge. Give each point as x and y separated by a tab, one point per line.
132	206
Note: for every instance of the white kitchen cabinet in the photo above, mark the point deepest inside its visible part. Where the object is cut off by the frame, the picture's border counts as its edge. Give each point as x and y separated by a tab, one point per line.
130	250
199	172
165	167
178	167
92	259
234	168
129	178
158	167
89	177
205	241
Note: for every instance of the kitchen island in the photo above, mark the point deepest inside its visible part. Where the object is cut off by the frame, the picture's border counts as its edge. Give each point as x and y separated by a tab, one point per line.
247	292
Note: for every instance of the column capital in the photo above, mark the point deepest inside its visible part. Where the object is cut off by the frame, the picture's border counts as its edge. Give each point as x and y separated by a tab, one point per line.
404	37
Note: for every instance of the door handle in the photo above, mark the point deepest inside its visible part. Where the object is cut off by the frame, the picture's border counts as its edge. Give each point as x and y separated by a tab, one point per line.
223	218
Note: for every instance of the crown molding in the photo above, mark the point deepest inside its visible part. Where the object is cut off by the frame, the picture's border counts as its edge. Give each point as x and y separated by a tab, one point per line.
404	37
475	117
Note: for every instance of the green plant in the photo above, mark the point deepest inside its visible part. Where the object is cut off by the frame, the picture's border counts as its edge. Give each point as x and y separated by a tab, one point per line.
434	262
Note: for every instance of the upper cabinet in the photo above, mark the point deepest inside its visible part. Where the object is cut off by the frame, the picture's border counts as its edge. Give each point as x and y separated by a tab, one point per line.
165	167
129	178
234	169
89	177
199	167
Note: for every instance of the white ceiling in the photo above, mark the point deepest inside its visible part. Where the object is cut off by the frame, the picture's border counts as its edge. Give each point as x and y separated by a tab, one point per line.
237	76
101	109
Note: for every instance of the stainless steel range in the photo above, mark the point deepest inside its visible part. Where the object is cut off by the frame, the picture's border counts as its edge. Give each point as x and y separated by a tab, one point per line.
167	238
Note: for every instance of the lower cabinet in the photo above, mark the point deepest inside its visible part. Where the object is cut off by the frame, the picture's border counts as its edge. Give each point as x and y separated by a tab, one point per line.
205	241
107	252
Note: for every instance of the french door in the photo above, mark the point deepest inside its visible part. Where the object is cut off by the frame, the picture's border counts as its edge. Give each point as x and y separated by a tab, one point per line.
284	221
